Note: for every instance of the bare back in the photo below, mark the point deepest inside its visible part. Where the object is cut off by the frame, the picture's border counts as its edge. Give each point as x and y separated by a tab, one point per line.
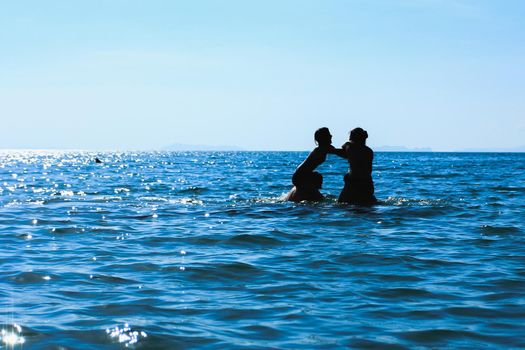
314	159
360	158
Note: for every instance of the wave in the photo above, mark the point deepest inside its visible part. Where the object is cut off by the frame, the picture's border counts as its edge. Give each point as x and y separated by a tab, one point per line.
186	201
253	240
195	190
152	199
235	272
111	279
499	230
401	201
505	189
32	277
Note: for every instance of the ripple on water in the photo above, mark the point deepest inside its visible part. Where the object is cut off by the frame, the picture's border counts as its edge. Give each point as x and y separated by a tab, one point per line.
404	293
123	336
186	201
32	277
507	189
253	240
68	230
194	190
480	312
153	199
111	279
459	338
276	289
410	202
126	335
138	267
235	272
357	343
499	230
261	332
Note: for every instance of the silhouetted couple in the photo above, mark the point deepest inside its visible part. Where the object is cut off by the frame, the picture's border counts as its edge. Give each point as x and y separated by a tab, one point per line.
358	185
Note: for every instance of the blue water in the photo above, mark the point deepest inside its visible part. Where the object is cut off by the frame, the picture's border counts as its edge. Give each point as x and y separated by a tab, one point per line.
199	251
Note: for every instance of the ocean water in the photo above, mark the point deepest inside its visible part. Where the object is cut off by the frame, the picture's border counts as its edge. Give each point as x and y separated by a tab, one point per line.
199	251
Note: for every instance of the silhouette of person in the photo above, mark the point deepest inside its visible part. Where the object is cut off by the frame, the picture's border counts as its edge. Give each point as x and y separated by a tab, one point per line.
306	181
359	186
310	193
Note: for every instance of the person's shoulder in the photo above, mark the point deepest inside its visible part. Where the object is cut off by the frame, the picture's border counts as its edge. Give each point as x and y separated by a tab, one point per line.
317	151
325	149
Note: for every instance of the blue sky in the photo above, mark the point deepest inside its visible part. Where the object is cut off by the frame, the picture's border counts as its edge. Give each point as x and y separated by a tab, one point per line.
263	75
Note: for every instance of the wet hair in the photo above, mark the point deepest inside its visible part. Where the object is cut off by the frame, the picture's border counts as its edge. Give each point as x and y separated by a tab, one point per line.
320	134
358	135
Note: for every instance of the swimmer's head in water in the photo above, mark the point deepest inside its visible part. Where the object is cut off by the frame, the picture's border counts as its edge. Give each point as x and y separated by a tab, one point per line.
323	137
358	135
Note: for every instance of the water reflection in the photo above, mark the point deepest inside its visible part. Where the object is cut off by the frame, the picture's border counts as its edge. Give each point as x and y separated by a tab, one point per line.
11	335
125	335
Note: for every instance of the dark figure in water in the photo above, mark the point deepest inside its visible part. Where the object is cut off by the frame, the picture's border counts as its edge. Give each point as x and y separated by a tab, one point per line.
306	181
359	187
98	161
309	193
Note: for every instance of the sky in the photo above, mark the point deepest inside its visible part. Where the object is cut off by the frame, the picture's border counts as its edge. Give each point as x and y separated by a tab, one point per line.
261	75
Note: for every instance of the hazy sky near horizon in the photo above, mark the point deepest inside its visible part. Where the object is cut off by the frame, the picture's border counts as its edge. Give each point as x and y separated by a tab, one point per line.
124	74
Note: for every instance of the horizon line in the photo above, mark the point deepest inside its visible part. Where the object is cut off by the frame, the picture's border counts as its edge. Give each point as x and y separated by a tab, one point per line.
379	150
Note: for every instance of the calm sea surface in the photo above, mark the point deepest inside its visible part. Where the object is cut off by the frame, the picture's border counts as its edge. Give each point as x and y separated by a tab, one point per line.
199	251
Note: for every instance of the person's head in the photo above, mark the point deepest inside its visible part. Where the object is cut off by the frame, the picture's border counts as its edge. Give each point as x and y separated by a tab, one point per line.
358	135
323	137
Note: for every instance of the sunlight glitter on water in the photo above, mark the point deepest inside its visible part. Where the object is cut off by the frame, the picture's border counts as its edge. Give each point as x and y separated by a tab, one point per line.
438	263
13	336
126	335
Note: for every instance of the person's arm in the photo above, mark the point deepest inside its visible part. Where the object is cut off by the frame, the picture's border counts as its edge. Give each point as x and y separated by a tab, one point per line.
338	152
292	195
344	150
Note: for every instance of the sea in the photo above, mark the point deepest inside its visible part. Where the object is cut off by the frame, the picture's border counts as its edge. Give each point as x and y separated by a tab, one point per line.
198	250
